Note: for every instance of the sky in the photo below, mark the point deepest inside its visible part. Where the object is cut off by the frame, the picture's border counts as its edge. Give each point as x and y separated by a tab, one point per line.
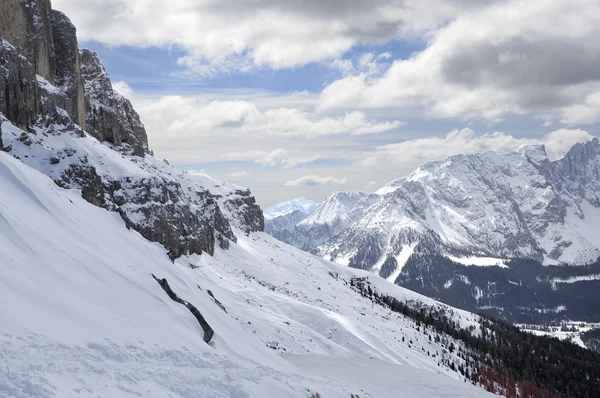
303	98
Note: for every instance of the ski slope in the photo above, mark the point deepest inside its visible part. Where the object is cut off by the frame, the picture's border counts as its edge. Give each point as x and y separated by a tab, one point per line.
81	315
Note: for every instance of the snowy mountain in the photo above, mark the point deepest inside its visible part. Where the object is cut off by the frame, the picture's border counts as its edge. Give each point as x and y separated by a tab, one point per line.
60	114
284	208
122	275
118	269
472	231
282	218
83	314
476	209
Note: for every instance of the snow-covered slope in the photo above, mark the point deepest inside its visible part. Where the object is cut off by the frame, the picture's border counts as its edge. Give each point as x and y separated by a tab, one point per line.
82	315
285	208
489	205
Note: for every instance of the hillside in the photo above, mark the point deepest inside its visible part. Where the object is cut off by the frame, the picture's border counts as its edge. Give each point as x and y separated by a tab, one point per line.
84	316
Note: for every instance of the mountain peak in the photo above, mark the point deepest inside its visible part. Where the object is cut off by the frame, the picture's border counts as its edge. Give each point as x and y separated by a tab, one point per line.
284	208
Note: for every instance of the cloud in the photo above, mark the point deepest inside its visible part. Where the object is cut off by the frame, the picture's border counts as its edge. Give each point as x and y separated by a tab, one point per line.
510	57
200	172
587	112
313	180
239	174
371	183
408	155
123	88
277	157
191	114
238	33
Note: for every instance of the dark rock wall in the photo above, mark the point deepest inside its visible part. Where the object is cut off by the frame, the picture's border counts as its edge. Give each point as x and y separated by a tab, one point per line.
110	116
27	24
68	73
19	100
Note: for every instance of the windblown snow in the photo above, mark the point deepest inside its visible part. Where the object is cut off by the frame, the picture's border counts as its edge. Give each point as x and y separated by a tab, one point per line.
81	315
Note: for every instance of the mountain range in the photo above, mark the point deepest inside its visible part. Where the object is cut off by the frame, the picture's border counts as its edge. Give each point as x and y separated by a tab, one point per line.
122	275
477	208
474	210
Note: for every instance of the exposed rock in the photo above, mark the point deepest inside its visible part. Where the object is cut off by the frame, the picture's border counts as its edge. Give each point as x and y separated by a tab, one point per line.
208	331
110	116
217	302
72	91
18	86
243	204
68	73
27	24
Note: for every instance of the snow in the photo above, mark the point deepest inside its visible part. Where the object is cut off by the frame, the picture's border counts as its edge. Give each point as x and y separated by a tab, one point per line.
401	260
82	316
285	208
575	279
403	380
48	87
573	333
490	206
479	261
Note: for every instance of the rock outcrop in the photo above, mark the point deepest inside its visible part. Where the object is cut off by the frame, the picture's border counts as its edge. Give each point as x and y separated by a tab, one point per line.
27	25
110	116
19	100
52	93
39	48
68	72
208	331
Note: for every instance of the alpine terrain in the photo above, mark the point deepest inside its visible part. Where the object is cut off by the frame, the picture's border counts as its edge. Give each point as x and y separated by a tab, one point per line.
122	276
484	231
281	219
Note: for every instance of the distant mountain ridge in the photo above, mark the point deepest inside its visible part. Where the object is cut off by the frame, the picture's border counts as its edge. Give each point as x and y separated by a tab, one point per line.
282	218
285	208
518	204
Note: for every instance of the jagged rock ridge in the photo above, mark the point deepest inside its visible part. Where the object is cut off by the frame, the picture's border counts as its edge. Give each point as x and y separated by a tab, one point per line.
55	97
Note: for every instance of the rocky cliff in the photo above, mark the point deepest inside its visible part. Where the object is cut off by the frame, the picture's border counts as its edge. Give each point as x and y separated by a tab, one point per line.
60	114
110	116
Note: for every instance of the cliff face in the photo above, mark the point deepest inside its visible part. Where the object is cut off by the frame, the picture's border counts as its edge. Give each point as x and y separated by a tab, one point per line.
39	45
27	24
68	72
19	99
52	93
110	116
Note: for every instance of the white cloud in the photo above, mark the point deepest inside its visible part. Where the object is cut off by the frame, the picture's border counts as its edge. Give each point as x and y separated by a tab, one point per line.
123	88
275	33
239	174
408	155
508	57
188	115
200	172
277	157
314	180
588	112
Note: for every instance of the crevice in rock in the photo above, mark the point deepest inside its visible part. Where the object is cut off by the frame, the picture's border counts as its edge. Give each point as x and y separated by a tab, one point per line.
208	331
